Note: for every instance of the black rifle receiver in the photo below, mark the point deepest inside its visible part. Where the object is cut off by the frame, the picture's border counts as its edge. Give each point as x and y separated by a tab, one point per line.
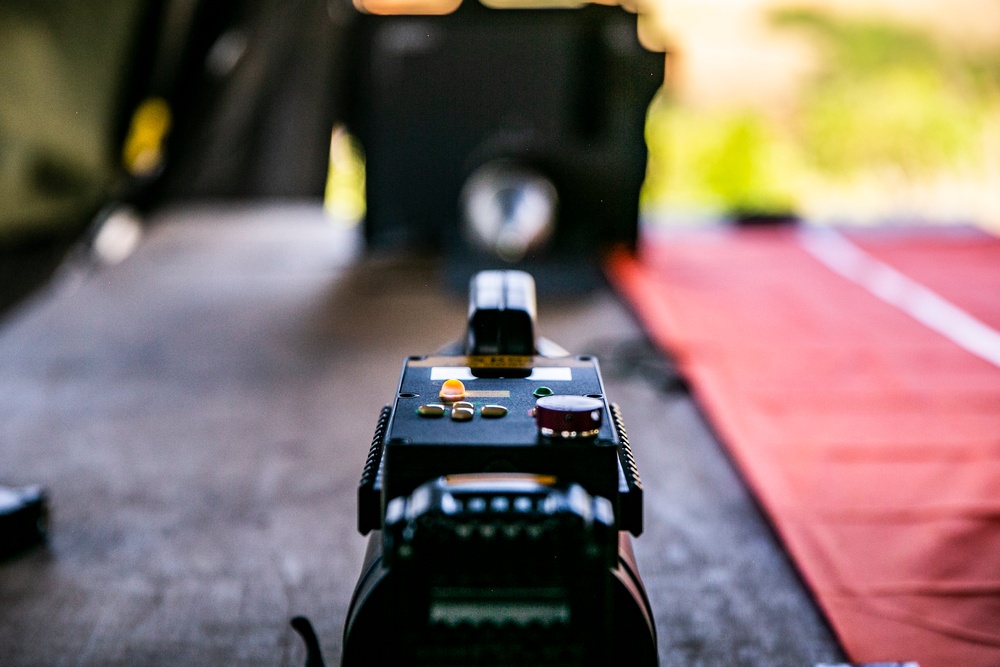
501	314
498	494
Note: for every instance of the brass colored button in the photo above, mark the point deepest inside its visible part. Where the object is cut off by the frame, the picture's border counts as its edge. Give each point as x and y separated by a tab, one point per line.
493	411
431	410
462	414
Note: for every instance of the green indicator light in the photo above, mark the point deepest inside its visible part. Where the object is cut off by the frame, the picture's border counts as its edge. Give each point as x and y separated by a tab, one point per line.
542	391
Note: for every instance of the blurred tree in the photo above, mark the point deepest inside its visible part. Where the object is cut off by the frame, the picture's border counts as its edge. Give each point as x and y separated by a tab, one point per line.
890	97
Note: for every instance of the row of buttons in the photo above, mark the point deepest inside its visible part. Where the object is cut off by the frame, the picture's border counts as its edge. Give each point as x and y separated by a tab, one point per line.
461	410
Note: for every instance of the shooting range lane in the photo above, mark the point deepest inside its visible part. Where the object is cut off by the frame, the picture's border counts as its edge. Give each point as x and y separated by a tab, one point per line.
866	422
201	412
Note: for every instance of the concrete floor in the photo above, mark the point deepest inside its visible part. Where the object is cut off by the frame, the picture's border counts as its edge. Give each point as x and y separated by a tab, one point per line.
200	414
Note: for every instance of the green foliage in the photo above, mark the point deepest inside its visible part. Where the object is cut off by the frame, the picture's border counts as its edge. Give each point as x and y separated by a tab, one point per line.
889	96
885	98
861	46
729	160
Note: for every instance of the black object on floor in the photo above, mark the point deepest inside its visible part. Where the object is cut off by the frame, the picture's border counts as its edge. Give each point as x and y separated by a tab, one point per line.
24	518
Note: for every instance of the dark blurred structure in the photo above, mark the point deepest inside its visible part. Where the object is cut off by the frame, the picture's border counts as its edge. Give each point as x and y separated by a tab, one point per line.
255	89
559	95
531	95
67	87
552	102
248	91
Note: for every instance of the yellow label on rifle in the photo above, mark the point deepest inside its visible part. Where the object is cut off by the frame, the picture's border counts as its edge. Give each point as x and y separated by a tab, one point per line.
488	393
500	361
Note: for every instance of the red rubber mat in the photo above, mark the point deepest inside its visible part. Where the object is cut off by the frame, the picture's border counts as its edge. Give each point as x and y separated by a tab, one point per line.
856	382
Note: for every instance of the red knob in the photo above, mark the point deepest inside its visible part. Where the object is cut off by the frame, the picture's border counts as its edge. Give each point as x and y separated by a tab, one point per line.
569	416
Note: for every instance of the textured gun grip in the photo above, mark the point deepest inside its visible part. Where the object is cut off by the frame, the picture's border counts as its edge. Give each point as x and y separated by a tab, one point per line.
370	486
630	502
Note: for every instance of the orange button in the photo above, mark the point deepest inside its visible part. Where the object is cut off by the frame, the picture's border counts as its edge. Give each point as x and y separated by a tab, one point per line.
452	390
